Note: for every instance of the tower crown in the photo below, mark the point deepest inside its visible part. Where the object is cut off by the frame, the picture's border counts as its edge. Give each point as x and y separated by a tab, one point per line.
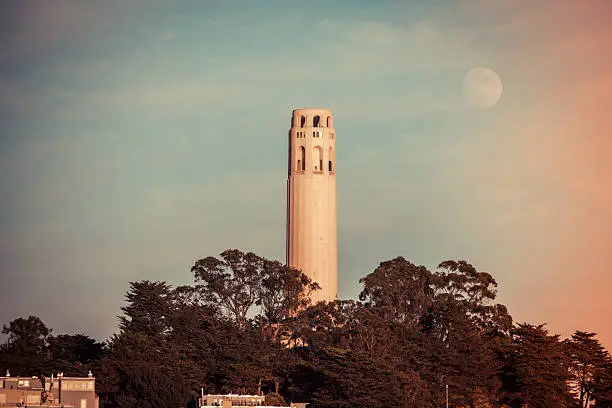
312	117
311	142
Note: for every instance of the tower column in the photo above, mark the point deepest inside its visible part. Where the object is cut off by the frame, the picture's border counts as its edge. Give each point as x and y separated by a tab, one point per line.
312	235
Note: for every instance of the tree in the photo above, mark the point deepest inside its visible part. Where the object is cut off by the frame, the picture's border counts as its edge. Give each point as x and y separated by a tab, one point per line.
602	387
402	290
150	308
460	282
73	354
25	351
233	282
538	367
27	335
465	328
588	361
338	377
139	372
151	362
283	291
240	281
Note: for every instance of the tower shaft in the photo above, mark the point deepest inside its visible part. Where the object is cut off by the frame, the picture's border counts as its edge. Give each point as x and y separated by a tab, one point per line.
312	230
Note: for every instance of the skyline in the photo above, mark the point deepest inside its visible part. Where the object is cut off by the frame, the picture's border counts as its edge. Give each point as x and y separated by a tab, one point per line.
137	138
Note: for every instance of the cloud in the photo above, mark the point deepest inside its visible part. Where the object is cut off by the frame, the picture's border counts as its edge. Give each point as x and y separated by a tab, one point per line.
144	150
169	36
31	29
147	83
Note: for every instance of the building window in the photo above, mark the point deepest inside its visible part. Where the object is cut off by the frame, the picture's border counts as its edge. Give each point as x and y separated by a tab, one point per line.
302	160
330	166
328	121
302	121
316	121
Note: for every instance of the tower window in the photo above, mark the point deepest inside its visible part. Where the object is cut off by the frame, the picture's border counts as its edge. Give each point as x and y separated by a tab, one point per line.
330	166
302	121
316	121
317	159
328	121
302	165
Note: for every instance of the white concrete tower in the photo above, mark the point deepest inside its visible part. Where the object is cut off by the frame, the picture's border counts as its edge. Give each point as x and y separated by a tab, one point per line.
312	227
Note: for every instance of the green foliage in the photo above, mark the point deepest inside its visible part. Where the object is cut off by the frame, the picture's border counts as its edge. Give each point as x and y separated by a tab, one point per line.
539	368
274	399
73	354
26	347
240	281
32	350
602	388
589	363
247	326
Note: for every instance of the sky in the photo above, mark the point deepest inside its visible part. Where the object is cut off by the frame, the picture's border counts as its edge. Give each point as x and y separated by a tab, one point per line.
139	136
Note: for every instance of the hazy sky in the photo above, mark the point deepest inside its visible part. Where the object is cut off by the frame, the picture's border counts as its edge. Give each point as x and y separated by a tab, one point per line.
139	136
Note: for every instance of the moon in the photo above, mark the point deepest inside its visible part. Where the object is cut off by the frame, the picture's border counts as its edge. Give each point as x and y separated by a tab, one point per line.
482	87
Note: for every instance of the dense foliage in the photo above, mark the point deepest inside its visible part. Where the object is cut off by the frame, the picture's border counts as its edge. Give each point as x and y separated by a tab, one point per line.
246	326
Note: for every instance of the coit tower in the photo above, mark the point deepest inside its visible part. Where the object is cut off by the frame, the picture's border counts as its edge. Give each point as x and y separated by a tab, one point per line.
312	231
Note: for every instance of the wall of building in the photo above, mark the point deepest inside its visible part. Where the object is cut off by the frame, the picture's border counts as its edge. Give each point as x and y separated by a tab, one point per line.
77	391
69	392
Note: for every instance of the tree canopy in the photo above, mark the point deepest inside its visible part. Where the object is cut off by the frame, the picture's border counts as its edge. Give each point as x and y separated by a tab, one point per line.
246	325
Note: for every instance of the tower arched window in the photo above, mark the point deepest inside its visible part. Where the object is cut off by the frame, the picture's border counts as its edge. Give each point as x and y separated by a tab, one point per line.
331	160
317	159
316	121
301	163
329	121
302	121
